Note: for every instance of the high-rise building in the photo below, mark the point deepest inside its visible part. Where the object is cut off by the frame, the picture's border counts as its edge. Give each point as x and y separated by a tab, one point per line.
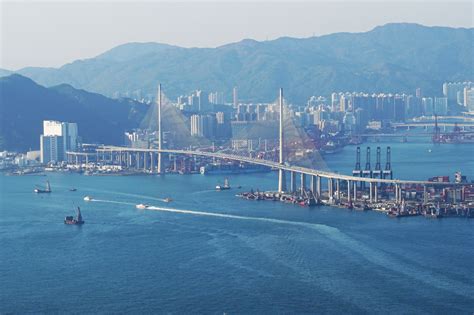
51	148
470	99
451	89
418	93
440	106
235	97
216	98
427	105
335	102
57	138
203	126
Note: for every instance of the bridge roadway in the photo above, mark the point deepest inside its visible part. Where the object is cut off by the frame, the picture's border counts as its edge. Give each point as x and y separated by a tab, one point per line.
430	124
272	164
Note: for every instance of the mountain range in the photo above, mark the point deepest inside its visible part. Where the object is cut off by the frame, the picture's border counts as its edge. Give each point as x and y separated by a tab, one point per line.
24	105
396	57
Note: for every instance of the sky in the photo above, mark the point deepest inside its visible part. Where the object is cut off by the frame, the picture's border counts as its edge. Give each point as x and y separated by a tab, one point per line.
51	34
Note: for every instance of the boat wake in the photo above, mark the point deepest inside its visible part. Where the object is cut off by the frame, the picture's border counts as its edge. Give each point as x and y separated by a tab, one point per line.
112	201
372	255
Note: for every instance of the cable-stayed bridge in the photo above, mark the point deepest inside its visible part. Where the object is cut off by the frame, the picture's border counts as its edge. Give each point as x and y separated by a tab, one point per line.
150	159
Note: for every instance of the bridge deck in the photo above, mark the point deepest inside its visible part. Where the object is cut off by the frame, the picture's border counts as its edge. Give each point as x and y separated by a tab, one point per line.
272	164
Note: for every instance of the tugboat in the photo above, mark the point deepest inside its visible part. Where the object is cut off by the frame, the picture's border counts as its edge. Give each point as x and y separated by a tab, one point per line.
225	187
47	190
74	221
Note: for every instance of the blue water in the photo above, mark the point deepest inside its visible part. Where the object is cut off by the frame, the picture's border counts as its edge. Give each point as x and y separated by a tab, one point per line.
257	257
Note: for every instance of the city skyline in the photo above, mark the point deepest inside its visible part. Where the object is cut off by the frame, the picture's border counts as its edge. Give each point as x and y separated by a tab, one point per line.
61	36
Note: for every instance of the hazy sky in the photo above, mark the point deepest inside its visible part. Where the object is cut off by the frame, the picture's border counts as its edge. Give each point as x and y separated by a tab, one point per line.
36	33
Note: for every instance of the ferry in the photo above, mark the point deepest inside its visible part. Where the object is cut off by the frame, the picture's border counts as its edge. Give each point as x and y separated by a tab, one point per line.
74	221
47	190
142	206
87	198
225	187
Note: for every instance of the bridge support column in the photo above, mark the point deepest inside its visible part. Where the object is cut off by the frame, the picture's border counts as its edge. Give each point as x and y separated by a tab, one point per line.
303	183
397	192
349	191
376	193
281	181
371	188
318	186
313	186
355	191
292	182
338	191
425	195
330	189
152	162
137	160
145	161
159	167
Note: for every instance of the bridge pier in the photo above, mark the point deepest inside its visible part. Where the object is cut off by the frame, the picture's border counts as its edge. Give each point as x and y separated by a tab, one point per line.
318	186
292	182
281	181
370	191
313	186
349	191
145	161
375	193
303	183
425	195
355	191
152	162
397	192
330	189
338	191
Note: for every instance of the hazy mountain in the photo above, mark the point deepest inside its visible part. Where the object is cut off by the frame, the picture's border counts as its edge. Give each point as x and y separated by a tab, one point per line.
5	72
24	105
389	58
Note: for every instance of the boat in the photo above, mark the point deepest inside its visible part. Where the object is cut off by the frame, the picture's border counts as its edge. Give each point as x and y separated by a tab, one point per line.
87	198
167	200
47	190
74	221
73	189
142	206
225	187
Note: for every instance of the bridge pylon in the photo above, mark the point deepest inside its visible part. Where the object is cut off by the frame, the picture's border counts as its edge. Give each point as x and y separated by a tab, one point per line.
281	172
159	167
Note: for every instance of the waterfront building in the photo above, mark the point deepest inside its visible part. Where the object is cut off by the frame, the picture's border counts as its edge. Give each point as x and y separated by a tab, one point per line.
57	138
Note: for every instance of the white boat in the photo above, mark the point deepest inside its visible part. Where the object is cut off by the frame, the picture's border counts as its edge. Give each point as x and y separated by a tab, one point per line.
142	206
225	187
47	190
87	198
167	200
